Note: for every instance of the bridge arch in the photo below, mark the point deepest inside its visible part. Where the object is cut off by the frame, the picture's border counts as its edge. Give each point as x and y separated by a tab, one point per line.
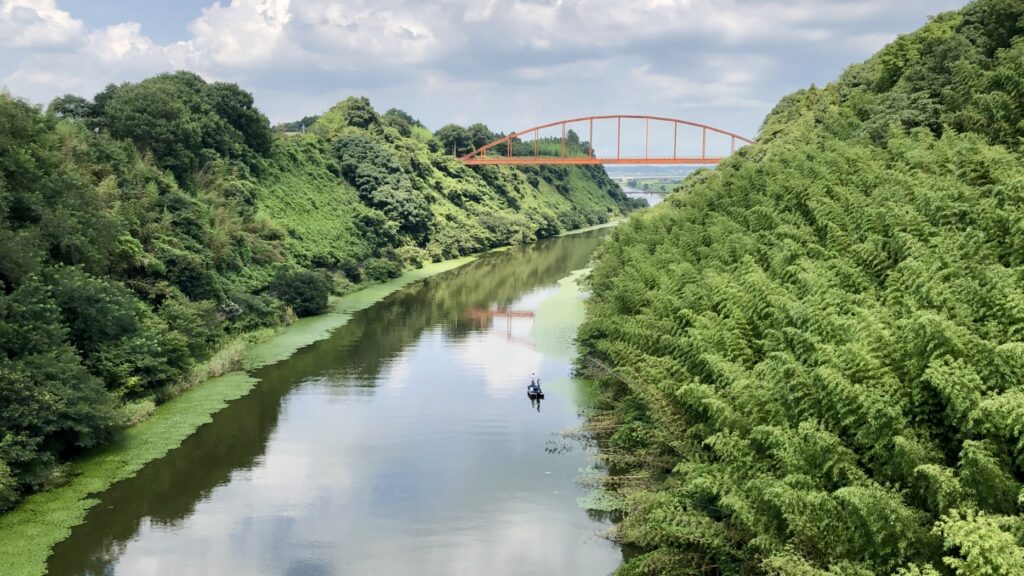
500	151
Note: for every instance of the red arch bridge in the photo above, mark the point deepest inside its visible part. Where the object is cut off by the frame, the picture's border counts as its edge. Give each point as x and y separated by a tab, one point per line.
557	143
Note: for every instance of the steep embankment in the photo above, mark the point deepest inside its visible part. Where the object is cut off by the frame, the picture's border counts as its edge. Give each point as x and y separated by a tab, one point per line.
442	208
147	228
812	357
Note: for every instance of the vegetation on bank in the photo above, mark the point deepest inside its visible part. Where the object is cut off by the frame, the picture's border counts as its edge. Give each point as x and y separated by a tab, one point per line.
29	532
145	228
812	357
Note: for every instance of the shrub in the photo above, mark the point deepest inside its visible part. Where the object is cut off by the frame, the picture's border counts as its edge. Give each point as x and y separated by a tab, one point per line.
380	269
305	291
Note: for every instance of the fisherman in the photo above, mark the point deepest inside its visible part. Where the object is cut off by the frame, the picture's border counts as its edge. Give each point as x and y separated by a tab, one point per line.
534	381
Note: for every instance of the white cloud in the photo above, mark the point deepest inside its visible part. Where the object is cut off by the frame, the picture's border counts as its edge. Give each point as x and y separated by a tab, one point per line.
37	24
480	11
509	63
587	68
353	34
610	23
241	34
723	81
119	42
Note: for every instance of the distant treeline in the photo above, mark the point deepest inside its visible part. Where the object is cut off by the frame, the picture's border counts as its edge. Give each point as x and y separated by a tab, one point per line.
297	125
459	141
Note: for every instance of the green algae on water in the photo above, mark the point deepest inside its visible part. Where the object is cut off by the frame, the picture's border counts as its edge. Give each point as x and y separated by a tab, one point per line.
28	532
609	224
558	317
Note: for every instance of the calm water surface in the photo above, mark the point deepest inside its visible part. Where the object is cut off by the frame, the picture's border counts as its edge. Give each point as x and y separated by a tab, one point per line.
403	444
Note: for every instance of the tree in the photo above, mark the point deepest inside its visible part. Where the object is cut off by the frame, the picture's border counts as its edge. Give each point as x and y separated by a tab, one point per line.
70	107
480	135
184	122
50	405
306	291
454	139
401	121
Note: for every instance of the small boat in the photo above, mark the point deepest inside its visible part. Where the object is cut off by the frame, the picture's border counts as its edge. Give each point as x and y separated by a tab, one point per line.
534	391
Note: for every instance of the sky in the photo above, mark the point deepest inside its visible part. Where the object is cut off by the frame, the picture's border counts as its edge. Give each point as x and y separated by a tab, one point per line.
510	63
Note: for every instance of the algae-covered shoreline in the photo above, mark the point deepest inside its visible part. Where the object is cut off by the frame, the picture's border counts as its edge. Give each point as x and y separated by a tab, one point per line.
29	531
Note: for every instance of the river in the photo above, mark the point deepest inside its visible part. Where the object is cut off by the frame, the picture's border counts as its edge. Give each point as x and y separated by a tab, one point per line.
402	444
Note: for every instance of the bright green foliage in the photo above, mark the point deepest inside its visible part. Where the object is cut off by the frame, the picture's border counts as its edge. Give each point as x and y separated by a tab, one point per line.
986	545
142	229
812	355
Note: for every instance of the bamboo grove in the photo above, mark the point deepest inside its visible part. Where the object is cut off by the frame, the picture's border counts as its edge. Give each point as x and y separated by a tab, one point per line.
812	358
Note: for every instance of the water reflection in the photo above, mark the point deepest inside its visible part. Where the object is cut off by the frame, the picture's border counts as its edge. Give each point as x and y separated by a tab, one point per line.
397	446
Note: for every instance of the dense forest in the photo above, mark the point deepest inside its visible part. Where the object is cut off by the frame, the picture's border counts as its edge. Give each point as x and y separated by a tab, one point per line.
812	357
144	229
459	141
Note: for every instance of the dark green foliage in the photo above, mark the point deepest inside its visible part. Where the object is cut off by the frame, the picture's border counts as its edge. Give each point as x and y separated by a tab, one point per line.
50	405
454	140
813	356
139	230
375	172
71	107
465	140
380	269
400	121
296	126
306	291
183	121
961	70
101	237
198	321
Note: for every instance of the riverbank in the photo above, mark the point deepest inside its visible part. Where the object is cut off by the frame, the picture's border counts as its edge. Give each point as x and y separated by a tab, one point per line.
608	224
29	531
400	443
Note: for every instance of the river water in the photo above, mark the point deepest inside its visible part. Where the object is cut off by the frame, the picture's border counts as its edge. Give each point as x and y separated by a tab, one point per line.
402	444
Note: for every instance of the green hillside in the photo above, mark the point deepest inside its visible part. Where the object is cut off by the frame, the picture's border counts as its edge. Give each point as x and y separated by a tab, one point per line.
812	357
148	227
